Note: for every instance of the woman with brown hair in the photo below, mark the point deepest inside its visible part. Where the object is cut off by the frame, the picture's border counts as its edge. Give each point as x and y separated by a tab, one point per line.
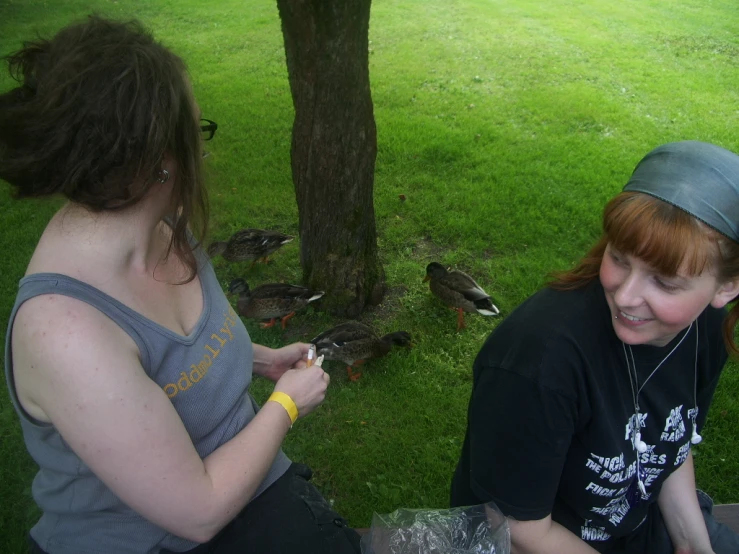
588	398
127	366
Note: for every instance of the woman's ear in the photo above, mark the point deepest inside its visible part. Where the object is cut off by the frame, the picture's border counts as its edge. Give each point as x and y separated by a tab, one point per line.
726	293
167	172
168	163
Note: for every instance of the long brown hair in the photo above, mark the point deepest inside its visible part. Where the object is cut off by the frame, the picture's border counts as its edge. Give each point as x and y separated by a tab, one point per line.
665	237
96	109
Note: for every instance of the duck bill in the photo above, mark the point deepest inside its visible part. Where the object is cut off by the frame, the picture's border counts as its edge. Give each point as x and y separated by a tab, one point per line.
427	278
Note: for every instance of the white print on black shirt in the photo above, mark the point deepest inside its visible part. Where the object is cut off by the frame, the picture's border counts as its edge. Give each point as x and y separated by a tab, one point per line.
631	425
589	533
650	457
682	454
601	491
693	417
615	510
616	473
674	426
614	470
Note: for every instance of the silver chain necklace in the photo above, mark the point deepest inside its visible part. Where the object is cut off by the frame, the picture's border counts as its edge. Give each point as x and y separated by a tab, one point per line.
639	445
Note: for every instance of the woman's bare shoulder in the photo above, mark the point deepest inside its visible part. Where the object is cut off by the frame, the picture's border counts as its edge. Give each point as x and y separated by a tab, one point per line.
70	362
59	338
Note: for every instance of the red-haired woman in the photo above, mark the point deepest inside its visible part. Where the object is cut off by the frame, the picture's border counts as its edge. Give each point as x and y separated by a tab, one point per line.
588	398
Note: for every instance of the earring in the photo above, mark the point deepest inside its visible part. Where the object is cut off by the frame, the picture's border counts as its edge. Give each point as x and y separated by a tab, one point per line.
163	176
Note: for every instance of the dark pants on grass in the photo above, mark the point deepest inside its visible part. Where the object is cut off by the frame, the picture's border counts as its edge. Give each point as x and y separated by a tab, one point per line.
654	539
290	516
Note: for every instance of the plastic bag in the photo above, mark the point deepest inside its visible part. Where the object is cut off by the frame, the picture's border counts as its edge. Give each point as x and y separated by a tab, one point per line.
479	529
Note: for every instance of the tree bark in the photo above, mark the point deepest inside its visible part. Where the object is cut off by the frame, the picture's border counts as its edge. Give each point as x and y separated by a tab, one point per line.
334	147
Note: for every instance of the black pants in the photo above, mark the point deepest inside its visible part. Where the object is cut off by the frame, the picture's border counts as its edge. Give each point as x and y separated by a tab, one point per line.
652	536
290	516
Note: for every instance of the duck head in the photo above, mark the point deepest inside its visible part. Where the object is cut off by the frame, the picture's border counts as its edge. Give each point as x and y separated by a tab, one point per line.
398	338
434	270
238	286
216	248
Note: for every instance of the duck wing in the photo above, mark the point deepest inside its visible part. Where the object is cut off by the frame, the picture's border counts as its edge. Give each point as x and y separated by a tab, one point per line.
343	333
246	237
459	290
276	300
262	241
286	292
464	284
255	243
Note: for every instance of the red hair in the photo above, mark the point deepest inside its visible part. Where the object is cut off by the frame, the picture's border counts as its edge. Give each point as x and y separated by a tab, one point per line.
665	237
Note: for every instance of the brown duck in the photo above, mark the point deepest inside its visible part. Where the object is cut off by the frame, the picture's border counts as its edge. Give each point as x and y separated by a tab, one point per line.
459	291
271	301
249	245
353	343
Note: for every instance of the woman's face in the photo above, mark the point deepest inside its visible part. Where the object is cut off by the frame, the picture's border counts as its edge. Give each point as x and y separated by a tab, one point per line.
649	308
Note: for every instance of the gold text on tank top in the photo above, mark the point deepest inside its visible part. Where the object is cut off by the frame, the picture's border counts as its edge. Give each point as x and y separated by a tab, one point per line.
218	341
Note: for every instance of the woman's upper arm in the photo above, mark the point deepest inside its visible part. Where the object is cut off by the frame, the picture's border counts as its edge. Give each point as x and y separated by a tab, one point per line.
83	371
520	433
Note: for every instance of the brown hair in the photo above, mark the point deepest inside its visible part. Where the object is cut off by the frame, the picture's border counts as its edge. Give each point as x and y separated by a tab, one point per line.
96	109
665	237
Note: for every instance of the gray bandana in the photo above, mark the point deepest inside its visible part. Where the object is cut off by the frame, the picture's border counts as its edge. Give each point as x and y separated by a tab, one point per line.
699	178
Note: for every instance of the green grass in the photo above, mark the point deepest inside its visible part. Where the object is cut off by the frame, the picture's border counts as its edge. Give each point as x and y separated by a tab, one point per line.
506	124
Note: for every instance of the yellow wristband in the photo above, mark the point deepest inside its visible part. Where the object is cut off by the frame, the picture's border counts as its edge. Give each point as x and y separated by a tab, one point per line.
286	402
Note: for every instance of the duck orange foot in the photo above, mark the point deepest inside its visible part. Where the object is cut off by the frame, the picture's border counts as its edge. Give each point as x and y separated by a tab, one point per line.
460	319
352	375
263	260
268	325
288	316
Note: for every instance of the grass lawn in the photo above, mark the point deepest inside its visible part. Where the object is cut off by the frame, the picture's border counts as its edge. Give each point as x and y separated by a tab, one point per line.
507	124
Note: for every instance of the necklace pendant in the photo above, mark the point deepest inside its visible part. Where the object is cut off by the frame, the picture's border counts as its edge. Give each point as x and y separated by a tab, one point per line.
642	489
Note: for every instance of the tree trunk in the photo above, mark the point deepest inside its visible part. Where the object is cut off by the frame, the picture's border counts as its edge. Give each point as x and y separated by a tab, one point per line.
334	146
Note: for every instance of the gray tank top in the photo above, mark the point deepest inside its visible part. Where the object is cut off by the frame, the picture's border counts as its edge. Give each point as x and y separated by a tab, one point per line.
206	376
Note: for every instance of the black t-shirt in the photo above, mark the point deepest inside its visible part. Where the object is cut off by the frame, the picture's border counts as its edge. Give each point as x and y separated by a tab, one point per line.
549	418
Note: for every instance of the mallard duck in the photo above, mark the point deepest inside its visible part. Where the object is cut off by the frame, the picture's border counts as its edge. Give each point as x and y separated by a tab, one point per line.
353	343
271	301
459	291
249	245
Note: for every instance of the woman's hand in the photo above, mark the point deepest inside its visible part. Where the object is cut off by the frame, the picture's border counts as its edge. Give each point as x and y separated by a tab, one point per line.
306	386
273	363
286	365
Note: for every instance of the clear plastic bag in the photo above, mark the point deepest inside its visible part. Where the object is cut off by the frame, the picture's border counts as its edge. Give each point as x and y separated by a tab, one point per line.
479	529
